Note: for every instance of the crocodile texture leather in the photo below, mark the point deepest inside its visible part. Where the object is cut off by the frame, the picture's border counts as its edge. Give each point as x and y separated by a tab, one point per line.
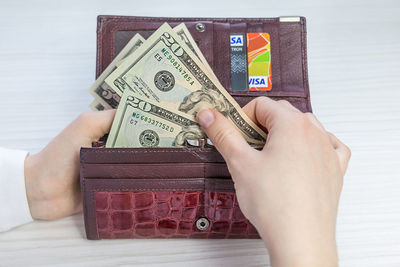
169	214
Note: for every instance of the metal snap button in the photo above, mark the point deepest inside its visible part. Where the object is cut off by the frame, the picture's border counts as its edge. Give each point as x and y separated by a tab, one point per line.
200	27
202	223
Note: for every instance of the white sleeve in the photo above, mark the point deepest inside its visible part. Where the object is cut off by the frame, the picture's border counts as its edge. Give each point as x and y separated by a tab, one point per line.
14	208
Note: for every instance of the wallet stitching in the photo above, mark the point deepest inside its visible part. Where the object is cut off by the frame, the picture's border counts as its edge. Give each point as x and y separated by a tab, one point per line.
204	174
304	58
119	19
202	188
144	151
145	189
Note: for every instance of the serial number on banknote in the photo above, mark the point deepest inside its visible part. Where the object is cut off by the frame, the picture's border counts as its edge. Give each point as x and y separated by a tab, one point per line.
149	120
177	65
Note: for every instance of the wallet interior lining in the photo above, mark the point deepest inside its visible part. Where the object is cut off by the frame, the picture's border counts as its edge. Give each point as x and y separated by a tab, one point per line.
288	65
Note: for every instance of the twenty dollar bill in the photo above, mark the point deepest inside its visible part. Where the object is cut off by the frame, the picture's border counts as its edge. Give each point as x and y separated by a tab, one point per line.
107	98
166	71
140	122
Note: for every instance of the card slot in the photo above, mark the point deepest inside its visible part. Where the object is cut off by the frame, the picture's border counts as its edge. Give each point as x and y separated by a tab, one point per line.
272	29
149	155
288	58
238	58
221	49
154	170
301	103
154	184
293	59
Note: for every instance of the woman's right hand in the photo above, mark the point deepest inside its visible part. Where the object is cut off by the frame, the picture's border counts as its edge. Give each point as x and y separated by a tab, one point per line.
290	189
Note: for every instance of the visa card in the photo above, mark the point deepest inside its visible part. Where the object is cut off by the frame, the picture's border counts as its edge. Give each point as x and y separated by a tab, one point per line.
259	61
238	62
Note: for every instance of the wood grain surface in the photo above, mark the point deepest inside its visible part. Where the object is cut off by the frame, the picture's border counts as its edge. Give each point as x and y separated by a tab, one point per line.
47	62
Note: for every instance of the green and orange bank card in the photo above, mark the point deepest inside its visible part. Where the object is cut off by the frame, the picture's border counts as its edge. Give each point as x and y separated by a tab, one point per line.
259	61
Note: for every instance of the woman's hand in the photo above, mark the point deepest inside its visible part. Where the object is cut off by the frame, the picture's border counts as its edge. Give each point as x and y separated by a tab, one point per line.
290	189
52	175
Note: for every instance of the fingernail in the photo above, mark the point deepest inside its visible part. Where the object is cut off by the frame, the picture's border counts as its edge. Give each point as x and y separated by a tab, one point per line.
205	117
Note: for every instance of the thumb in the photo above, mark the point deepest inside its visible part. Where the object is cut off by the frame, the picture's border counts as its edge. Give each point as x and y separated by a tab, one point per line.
268	112
224	135
93	124
104	122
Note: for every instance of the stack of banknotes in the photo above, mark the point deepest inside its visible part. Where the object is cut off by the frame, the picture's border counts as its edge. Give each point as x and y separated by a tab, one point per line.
158	85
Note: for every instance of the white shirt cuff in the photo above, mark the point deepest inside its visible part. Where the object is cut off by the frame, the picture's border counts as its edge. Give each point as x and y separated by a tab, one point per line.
14	208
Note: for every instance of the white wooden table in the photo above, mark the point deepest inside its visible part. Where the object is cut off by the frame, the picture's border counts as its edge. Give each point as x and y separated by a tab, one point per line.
47	61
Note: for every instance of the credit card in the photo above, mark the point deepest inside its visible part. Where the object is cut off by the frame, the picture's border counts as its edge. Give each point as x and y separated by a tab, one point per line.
238	62
259	61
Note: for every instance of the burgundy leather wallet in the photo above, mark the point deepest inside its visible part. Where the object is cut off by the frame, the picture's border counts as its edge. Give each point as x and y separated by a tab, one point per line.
184	192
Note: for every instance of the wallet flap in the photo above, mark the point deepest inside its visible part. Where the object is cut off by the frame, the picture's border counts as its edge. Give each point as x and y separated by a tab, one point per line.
288	58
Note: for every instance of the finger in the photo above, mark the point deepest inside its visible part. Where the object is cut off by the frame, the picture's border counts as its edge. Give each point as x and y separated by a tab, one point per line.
267	112
343	151
250	108
223	134
95	124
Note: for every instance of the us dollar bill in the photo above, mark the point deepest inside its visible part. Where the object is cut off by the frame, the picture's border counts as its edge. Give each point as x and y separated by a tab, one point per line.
165	70
140	122
102	93
105	97
96	105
